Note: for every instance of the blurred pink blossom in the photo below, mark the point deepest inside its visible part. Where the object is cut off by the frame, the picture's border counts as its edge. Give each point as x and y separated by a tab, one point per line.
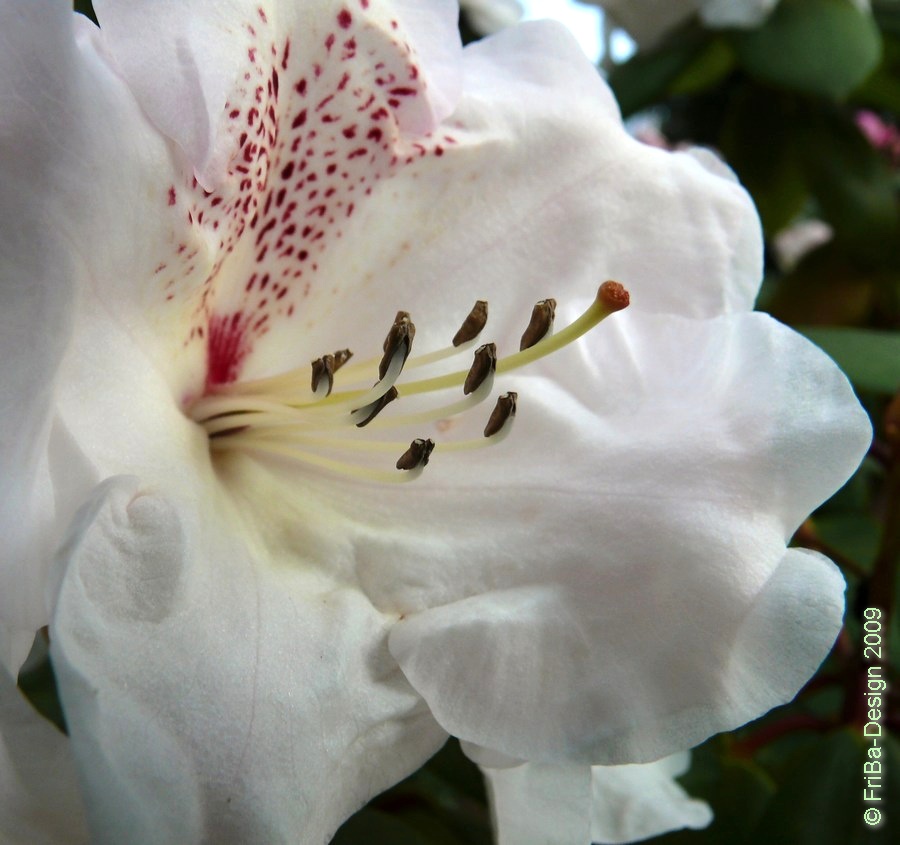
885	137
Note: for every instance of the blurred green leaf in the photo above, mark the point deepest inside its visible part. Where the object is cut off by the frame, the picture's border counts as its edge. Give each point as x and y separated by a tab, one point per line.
882	88
457	772
438	829
825	47
854	535
710	65
852	183
373	827
644	79
856	495
820	801
871	359
444	803
759	142
887	15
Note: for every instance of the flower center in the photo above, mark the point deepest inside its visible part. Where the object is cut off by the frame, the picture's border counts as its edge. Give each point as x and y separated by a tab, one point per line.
322	419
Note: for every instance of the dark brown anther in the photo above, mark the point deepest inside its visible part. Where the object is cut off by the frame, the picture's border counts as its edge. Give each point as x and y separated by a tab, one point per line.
323	368
614	296
341	357
541	322
473	324
504	410
398	341
483	366
416	455
375	408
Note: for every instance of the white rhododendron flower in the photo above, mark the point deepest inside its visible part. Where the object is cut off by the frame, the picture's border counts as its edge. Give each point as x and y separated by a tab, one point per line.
254	627
648	21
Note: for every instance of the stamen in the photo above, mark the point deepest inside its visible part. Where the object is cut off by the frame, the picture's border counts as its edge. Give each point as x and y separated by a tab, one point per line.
280	416
442	412
323	370
398	342
541	323
611	297
274	384
473	324
503	414
483	366
323	376
497	429
416	455
341	357
363	416
462	340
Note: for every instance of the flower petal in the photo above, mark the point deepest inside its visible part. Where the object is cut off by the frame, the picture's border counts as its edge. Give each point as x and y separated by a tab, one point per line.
36	303
39	800
189	77
315	105
323	149
213	699
642	610
631	803
74	241
536	804
114	225
538	191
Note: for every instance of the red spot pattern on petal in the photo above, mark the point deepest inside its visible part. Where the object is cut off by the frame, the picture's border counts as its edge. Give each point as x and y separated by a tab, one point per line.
314	129
226	348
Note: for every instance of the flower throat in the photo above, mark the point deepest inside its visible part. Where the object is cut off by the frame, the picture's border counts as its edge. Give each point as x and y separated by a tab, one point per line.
303	416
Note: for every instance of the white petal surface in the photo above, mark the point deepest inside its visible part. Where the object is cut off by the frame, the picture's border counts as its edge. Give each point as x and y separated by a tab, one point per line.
39	801
187	77
537	804
255	277
129	328
37	267
540	805
211	699
517	195
182	75
631	803
88	201
321	103
641	610
537	191
221	630
76	237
